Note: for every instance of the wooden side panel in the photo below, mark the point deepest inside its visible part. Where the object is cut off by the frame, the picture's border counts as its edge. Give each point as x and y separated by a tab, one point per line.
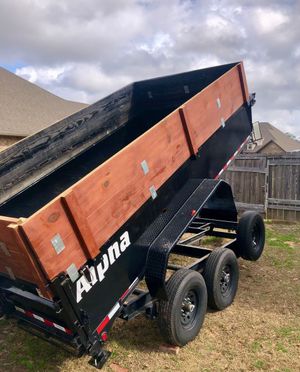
15	259
205	112
111	194
243	81
52	221
89	213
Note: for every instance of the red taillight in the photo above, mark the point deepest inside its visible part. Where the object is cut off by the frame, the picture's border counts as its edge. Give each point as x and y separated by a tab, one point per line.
104	336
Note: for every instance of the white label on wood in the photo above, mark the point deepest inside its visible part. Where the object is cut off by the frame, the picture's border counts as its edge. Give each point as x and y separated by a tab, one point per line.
153	192
145	167
57	243
4	249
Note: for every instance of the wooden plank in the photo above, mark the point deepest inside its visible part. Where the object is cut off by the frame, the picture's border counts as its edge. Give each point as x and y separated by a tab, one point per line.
284	201
243	81
114	191
45	225
117	189
15	257
285	161
284	207
246	206
246	169
202	113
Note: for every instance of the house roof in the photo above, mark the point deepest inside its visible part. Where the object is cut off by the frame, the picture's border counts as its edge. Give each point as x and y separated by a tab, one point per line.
269	133
26	108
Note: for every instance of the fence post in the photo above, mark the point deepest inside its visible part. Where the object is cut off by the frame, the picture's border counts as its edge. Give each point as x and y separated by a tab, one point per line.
267	178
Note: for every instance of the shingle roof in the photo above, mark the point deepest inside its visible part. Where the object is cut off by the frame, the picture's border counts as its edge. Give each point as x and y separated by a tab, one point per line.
270	133
26	108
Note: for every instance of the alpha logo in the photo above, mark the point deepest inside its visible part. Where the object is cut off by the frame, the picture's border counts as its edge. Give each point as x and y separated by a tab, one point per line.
97	273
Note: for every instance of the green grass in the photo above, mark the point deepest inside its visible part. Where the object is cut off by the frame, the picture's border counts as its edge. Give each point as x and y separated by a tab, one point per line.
260	364
284	245
27	351
256	346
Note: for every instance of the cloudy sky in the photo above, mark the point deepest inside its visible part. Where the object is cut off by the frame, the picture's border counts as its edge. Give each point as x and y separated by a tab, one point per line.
85	49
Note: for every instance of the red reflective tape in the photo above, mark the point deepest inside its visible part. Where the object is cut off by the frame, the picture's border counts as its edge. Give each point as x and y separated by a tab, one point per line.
103	324
124	294
45	321
129	289
68	331
48	323
231	159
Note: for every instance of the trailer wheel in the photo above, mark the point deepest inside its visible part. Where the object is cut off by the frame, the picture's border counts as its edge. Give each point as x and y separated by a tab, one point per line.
251	236
182	315
221	276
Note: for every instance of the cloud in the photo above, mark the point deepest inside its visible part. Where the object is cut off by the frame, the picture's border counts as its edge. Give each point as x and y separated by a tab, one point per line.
83	50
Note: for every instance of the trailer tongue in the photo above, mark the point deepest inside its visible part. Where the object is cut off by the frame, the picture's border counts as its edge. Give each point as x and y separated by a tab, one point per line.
99	201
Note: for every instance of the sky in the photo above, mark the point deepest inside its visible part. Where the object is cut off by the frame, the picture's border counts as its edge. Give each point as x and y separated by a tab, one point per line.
85	49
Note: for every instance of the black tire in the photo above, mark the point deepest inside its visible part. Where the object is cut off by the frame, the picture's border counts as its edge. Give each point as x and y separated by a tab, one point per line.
251	236
221	275
182	315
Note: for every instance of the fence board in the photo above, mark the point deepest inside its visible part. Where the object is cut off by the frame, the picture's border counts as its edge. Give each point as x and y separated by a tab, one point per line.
267	183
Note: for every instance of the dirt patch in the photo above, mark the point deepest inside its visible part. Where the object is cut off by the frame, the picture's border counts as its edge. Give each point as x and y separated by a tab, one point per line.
260	331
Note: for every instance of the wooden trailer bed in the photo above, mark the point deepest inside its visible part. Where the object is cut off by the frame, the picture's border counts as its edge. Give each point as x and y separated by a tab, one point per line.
71	228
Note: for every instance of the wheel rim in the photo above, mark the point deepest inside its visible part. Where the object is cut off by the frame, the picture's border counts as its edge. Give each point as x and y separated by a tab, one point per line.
256	236
226	280
189	309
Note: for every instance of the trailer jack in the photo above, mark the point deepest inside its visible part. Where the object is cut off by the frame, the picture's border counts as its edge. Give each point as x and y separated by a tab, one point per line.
100	359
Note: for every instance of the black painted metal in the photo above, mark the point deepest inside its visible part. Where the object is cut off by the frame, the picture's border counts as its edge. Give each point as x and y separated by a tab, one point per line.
154	229
161	247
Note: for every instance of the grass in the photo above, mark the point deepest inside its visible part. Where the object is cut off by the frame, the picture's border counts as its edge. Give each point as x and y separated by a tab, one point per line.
260	331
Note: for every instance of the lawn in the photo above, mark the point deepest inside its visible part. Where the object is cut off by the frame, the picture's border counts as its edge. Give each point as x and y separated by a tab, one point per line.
260	331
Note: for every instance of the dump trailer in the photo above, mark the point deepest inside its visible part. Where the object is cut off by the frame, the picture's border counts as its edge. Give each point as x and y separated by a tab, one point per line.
100	201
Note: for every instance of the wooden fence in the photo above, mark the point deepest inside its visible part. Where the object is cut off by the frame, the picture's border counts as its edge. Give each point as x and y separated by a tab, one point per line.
268	184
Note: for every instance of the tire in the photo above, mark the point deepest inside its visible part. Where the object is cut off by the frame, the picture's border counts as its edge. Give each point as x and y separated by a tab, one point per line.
182	315
251	236
221	275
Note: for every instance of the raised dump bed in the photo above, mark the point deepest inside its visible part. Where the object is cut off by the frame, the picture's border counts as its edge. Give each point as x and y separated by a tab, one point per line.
95	203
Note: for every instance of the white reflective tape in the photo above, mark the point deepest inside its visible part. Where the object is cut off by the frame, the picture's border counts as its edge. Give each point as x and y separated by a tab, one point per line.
19	309
133	283
222	170
59	327
38	318
114	310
